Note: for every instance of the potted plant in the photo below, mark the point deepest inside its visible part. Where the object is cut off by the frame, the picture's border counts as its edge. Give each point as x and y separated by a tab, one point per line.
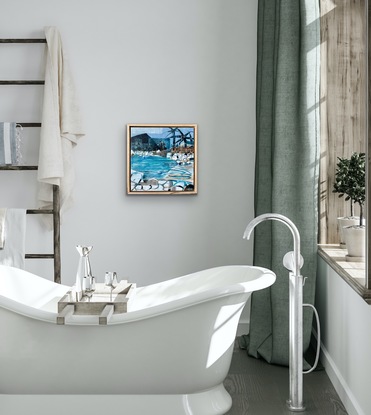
350	181
341	186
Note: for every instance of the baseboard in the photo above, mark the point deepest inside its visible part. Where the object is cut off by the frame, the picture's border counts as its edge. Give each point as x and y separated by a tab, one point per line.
339	383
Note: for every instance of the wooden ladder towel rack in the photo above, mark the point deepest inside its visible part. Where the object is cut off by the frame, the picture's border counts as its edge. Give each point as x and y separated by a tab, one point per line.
55	211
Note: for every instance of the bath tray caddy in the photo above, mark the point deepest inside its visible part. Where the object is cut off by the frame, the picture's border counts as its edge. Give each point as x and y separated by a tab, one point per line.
103	303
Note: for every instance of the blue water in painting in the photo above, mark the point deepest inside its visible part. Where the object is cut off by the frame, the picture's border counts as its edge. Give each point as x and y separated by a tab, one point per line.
152	166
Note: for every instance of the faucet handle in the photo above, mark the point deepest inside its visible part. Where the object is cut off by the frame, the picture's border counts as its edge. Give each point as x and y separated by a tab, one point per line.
289	261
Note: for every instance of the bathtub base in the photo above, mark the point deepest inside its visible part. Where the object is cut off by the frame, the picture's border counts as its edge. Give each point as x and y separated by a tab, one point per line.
216	401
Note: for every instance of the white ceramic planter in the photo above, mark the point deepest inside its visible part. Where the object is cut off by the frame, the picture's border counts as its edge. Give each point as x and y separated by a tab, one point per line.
355	239
343	222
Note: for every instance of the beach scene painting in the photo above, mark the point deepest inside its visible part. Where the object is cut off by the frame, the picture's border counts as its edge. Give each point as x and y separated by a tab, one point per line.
162	159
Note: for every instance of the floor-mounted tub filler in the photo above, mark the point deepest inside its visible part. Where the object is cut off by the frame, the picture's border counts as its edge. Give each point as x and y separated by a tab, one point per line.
293	261
168	355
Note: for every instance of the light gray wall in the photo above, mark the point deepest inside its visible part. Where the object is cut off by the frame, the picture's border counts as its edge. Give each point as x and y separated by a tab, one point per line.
142	61
346	339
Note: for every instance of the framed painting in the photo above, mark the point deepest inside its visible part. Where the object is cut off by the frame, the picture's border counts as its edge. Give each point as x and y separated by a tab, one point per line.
162	159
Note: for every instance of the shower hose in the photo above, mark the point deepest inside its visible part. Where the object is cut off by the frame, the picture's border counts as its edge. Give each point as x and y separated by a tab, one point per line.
318	339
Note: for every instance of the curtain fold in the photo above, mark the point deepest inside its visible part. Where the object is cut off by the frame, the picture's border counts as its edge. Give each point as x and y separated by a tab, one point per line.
287	164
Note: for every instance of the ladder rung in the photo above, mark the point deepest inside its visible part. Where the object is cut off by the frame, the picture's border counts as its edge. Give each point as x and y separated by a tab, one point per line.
22	82
39	256
9	167
30	124
40	211
30	40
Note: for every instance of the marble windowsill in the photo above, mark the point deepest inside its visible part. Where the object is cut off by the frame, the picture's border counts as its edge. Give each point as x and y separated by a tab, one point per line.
353	273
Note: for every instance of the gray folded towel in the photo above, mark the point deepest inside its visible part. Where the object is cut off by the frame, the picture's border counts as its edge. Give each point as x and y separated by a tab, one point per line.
9	143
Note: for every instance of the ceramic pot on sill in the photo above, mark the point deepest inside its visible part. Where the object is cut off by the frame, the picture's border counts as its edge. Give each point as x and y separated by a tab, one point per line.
355	239
344	222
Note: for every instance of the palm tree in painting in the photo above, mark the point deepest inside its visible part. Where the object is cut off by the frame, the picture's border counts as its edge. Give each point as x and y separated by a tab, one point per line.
179	137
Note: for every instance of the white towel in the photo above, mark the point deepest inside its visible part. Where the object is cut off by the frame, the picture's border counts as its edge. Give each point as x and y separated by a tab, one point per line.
7	149
61	126
2	227
15	232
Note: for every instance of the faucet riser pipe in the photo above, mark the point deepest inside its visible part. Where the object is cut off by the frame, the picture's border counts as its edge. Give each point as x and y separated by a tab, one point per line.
295	402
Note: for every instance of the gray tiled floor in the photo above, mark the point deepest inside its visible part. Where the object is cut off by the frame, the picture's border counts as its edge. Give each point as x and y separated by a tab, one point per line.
258	388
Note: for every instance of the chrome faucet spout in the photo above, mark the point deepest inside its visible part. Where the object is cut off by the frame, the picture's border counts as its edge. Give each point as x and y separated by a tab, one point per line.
290	225
295	402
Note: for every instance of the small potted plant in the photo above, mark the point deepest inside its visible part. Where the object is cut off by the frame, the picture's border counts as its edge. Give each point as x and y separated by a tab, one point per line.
351	182
341	186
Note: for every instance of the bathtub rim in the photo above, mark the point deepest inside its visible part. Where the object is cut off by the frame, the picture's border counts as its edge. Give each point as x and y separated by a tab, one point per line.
263	280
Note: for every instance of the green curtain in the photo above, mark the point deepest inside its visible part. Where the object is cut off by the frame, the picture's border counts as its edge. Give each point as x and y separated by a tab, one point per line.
287	164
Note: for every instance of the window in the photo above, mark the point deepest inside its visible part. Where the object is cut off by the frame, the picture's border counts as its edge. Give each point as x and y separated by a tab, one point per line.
344	123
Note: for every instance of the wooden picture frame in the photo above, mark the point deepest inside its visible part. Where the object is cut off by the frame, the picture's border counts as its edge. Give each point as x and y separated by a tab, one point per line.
162	159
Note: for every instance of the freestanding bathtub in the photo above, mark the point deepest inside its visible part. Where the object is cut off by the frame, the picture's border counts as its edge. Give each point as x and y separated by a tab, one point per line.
168	355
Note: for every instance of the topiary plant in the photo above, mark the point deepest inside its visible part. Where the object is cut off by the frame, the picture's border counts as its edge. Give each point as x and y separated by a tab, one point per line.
350	181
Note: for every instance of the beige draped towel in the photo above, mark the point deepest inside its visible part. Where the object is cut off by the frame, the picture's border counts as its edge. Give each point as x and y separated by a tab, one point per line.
61	126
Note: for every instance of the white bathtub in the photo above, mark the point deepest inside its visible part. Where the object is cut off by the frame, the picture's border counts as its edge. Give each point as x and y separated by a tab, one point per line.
169	355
